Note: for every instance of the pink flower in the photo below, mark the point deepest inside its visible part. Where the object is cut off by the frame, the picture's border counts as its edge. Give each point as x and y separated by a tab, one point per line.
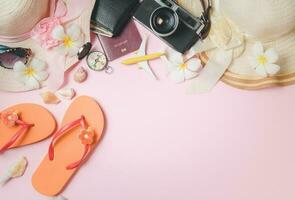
42	32
87	136
9	118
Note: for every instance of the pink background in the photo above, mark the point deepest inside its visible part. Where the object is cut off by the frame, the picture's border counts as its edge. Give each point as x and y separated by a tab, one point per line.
161	144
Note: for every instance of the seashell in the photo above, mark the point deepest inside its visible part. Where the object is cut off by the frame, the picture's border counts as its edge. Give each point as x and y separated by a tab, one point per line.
59	198
67	93
19	168
16	170
49	98
80	75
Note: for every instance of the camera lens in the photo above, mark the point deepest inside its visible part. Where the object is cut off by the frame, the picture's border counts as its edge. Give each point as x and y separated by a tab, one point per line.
164	21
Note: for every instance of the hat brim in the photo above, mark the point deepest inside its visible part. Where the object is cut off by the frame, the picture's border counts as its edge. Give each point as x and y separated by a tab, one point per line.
52	58
241	75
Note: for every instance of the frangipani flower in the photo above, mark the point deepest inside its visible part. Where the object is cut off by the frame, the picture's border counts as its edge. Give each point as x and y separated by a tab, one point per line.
180	69
70	40
263	62
31	74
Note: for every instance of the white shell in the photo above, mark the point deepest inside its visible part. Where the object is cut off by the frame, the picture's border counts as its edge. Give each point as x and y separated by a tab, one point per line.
80	75
59	198
19	167
67	93
15	170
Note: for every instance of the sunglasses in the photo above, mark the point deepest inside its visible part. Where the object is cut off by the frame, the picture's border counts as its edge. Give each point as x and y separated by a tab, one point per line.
10	55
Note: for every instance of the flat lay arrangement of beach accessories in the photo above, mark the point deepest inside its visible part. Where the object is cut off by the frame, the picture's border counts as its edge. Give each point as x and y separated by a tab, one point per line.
205	41
208	38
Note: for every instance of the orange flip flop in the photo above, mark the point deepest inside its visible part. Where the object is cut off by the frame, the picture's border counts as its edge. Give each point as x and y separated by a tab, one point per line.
82	128
24	124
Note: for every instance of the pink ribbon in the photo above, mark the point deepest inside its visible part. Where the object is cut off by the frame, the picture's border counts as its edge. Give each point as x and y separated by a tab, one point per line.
42	30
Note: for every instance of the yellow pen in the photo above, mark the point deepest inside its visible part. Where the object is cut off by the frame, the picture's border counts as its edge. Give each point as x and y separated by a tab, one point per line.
138	59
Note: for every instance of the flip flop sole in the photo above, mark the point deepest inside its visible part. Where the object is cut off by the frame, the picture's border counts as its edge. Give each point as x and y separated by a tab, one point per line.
44	125
51	177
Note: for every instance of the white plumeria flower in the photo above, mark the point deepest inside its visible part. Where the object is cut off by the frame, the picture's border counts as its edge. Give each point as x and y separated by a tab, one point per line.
181	70
31	74
264	62
70	39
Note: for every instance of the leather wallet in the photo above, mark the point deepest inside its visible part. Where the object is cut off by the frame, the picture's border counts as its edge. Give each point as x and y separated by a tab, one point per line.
109	17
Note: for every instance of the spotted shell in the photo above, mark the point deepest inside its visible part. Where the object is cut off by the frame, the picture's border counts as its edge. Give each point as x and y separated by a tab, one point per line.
80	75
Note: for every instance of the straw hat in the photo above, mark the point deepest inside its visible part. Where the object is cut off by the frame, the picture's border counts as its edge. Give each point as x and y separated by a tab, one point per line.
29	23
254	24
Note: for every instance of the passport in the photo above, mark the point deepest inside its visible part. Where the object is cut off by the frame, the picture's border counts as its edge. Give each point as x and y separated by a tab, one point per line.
128	41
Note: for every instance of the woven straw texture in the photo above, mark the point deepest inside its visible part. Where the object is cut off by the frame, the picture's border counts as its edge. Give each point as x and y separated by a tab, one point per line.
20	16
271	22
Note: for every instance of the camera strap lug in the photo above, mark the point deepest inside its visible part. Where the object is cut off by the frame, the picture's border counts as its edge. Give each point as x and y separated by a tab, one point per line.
204	29
200	30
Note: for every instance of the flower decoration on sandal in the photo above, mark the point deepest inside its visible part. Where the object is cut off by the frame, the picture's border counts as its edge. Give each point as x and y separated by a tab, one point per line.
182	69
31	74
10	119
87	137
70	39
263	62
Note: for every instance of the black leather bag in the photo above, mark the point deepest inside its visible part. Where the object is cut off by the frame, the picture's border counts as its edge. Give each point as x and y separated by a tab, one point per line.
111	16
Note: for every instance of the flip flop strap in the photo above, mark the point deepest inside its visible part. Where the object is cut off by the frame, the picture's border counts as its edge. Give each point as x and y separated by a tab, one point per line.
76	164
24	128
82	122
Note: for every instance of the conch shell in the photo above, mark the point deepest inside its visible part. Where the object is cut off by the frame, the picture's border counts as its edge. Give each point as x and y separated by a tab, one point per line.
49	98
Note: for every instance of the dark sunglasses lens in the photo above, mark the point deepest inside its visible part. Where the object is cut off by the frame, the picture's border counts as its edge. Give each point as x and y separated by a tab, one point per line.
21	52
7	60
